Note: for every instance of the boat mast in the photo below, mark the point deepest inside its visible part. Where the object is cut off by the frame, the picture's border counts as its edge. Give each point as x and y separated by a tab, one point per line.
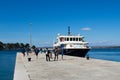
69	33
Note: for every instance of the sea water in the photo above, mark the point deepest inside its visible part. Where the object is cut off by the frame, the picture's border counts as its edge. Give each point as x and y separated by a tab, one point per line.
105	54
7	64
8	58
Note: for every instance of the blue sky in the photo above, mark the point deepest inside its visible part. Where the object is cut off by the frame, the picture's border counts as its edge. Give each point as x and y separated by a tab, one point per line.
97	20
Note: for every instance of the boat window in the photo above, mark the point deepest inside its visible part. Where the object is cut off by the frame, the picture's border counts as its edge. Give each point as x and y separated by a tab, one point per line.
67	39
70	39
79	39
62	39
73	39
76	39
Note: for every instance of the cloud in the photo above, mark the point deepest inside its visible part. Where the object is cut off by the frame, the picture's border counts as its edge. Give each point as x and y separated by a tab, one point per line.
46	42
86	29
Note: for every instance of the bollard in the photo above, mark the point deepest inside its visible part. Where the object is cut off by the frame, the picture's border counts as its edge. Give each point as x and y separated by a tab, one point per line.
29	59
87	57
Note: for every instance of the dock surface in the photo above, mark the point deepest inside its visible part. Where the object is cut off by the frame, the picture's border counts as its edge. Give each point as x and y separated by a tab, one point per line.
70	68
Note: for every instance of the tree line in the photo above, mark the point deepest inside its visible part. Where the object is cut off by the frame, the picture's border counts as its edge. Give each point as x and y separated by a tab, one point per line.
14	46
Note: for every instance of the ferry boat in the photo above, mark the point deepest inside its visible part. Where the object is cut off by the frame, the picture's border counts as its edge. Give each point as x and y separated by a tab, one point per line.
73	45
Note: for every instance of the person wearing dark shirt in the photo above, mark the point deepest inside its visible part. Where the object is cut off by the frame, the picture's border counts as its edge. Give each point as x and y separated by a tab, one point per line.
23	52
56	54
47	55
36	52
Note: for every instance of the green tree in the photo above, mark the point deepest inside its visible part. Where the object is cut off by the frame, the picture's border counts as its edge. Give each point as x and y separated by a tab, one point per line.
33	47
17	45
22	45
1	45
27	45
7	46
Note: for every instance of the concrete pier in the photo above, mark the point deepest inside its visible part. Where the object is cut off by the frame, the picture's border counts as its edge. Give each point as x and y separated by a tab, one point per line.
70	68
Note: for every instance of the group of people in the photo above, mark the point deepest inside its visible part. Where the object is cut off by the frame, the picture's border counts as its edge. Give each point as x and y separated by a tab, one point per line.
48	53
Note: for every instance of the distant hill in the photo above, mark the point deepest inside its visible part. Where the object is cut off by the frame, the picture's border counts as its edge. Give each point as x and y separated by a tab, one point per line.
97	47
94	47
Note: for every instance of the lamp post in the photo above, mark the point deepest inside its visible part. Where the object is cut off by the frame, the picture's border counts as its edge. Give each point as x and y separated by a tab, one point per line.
30	35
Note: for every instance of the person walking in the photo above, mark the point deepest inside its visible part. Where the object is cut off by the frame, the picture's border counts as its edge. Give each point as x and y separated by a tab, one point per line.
36	53
27	51
56	54
41	50
23	52
47	54
62	51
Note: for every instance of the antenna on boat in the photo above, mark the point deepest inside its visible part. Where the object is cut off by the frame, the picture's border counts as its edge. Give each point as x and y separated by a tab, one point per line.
69	30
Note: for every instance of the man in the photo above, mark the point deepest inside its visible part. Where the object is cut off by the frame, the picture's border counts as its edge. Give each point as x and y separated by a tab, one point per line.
47	54
23	52
56	53
36	52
